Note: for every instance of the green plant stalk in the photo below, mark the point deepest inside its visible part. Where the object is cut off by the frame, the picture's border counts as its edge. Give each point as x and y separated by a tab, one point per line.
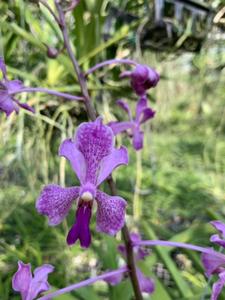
92	115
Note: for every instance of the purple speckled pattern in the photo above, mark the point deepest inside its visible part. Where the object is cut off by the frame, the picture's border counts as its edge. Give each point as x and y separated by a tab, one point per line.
110	213
93	158
8	103
143	114
31	286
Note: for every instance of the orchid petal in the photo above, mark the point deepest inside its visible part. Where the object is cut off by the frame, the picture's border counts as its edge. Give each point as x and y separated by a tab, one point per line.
146	284
218	286
39	283
217	240
212	263
21	279
116	158
146	114
55	202
141	105
3	67
95	141
114	279
219	226
138	137
118	127
110	213
6	103
69	150
125	106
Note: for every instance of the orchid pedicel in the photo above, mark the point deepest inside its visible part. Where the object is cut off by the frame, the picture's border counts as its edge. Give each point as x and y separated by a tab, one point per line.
93	157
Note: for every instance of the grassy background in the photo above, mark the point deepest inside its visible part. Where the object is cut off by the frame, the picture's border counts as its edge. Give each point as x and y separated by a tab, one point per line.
173	187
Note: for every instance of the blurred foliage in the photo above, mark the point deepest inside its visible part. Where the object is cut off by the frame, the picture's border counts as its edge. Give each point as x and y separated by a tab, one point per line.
180	183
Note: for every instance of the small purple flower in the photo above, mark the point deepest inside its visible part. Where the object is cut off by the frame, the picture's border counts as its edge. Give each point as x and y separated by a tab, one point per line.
8	103
93	158
143	114
146	284
216	264
31	286
142	78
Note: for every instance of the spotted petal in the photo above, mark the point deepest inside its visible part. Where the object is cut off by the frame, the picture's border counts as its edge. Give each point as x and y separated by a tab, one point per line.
55	202
39	283
69	150
110	213
116	158
21	279
95	141
218	286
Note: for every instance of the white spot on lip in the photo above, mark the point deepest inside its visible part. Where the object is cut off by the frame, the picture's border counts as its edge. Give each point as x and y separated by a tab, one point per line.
87	196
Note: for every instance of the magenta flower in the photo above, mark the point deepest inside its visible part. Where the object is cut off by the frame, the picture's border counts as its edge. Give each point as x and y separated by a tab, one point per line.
93	158
8	103
216	264
143	114
142	78
31	286
146	284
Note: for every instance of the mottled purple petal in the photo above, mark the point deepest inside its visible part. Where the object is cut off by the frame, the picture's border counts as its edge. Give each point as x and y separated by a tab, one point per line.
217	240
212	263
146	114
114	279
55	202
125	106
219	226
141	105
138	137
69	150
218	286
146	284
118	127
80	230
21	279
116	158
110	213
39	283
95	141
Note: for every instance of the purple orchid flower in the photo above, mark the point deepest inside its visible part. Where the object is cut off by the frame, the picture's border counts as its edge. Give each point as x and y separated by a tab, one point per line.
216	264
142	78
8	103
143	114
31	286
146	284
93	158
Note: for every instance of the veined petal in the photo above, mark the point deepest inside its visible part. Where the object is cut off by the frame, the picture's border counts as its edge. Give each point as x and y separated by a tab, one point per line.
21	279
212	263
40	283
110	213
95	141
55	202
218	286
138	137
69	150
125	106
146	284
116	158
118	127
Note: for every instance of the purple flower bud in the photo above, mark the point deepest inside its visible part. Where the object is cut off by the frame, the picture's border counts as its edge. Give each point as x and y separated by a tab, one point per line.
52	52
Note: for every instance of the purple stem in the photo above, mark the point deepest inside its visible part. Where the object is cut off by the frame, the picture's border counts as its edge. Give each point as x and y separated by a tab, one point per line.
51	92
110	62
179	245
50	10
84	283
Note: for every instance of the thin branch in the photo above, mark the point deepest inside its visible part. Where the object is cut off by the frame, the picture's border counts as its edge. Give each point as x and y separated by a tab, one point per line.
49	9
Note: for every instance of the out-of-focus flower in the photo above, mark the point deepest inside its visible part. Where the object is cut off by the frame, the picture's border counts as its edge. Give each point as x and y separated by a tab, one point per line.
143	114
215	264
93	158
146	284
31	286
142	78
8	88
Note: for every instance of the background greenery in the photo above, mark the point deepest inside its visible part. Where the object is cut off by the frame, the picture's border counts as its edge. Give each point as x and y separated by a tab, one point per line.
174	187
